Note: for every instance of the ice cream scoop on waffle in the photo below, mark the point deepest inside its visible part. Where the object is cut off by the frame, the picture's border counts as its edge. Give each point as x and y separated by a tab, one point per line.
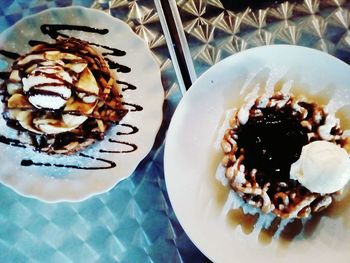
285	155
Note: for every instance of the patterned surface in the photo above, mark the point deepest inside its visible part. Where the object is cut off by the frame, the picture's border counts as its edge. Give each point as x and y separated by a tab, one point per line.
214	33
133	222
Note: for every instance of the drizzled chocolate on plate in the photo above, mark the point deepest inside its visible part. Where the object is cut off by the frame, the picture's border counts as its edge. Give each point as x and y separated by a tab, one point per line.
259	151
63	95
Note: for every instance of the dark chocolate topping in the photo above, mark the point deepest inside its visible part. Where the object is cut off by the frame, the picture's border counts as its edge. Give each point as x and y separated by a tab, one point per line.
132	146
272	142
128	85
111	164
9	54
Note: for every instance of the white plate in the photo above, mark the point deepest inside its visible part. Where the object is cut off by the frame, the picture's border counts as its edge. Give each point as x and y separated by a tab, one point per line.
51	183
191	157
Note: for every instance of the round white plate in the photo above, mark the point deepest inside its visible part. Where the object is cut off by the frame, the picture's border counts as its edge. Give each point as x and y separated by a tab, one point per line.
192	157
52	183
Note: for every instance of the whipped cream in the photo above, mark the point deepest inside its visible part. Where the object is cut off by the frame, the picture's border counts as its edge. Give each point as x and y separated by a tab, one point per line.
323	167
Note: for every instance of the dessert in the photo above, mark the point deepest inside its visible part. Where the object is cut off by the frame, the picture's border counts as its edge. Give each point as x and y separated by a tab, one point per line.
323	167
62	95
285	155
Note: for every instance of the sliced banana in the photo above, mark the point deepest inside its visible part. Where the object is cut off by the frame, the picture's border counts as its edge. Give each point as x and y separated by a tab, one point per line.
18	101
87	83
73	120
13	88
25	120
76	67
79	106
30	58
51	126
57	55
14	76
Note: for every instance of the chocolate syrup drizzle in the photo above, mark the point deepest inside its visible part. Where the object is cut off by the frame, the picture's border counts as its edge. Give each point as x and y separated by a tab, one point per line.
33	43
28	162
134	129
9	54
54	31
112	64
133	147
117	66
12	142
135	107
128	85
4	75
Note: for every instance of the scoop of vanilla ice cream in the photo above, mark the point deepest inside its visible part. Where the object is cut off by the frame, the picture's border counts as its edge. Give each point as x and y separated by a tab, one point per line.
47	87
58	81
323	167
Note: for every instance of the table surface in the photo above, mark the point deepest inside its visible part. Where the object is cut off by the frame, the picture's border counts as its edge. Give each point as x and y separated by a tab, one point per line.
134	222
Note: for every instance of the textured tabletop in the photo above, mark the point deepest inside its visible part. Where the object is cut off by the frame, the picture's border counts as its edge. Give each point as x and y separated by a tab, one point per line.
212	32
134	222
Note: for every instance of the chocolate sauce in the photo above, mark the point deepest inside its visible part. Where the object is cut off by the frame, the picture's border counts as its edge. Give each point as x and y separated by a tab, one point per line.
12	123
133	129
33	43
117	66
9	54
114	51
271	143
53	30
132	146
12	142
111	164
4	75
128	85
135	107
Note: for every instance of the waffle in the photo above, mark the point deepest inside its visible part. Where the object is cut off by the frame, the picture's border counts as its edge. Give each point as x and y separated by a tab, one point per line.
294	122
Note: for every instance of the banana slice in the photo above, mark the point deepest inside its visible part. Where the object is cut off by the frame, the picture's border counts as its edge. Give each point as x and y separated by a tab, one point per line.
30	58
87	83
76	67
18	101
25	120
13	88
51	126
